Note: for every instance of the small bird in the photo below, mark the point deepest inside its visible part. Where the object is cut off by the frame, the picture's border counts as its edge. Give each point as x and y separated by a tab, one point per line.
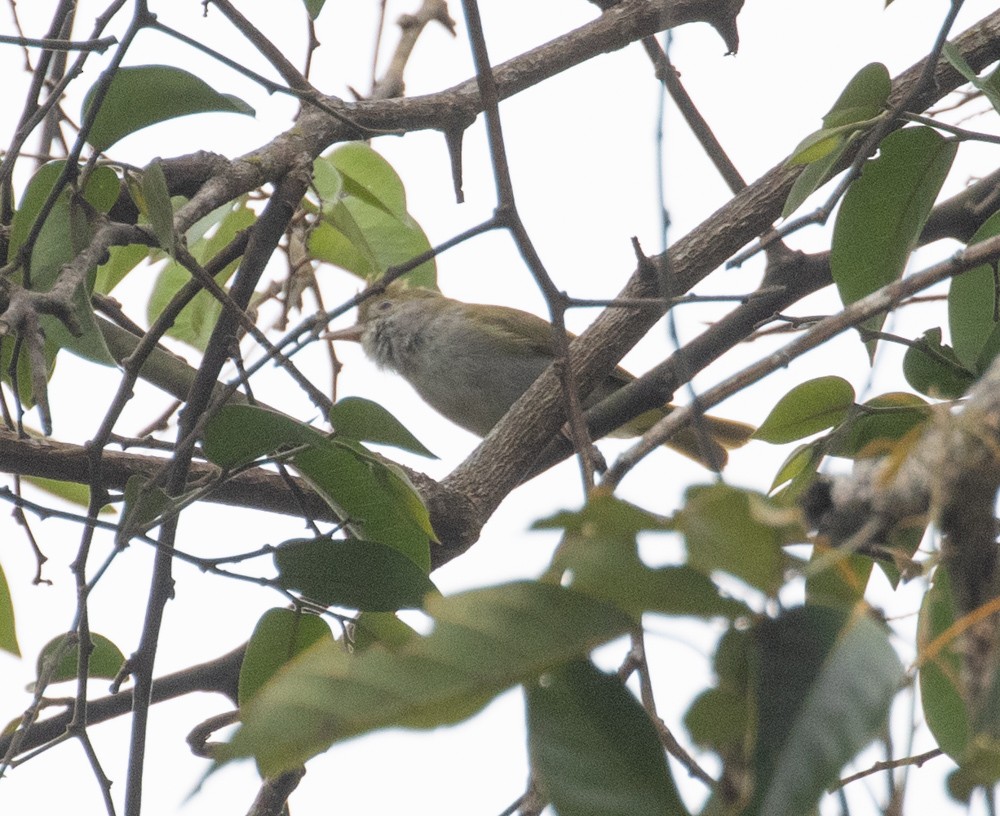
471	362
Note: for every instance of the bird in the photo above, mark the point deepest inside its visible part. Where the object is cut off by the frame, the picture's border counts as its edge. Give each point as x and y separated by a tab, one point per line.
471	362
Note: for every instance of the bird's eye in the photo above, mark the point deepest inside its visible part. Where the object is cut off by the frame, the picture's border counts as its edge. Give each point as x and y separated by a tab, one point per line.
385	306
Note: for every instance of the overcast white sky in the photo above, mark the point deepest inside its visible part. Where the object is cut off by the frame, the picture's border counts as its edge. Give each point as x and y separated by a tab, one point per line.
581	149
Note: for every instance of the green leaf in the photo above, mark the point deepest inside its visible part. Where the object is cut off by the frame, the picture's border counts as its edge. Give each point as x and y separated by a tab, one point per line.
974	305
196	321
365	227
865	96
105	661
483	642
593	750
121	261
718	719
355	574
932	368
599	556
146	94
980	769
884	210
940	661
280	635
366	421
377	499
73	492
825	680
798	469
8	632
67	230
987	86
739	532
878	425
842	582
314	7
808	408
158	208
382	628
814	176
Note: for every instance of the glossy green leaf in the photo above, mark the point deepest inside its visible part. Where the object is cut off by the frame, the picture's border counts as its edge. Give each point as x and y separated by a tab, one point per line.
593	750
370	178
825	679
808	408
8	632
280	635
377	499
158	208
363	575
738	532
932	368
974	305
944	706
105	660
146	94
878	425
599	555
367	421
483	642
884	210
196	321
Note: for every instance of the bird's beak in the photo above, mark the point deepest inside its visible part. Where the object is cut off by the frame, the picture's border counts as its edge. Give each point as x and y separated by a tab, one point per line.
352	333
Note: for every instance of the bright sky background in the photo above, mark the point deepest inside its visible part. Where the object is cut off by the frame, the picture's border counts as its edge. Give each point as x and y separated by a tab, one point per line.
581	149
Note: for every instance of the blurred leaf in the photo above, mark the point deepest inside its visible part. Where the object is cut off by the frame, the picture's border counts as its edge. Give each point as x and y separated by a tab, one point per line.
280	635
738	532
375	497
842	582
878	425
988	86
980	768
798	469
593	750
945	709
599	555
105	660
825	680
382	628
808	408
484	641
974	305
884	210
718	719
363	575
8	632
73	492
314	7
932	368
146	94
158	208
367	421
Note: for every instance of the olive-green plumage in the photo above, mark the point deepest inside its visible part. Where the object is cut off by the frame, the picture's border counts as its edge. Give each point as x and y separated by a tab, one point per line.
471	362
